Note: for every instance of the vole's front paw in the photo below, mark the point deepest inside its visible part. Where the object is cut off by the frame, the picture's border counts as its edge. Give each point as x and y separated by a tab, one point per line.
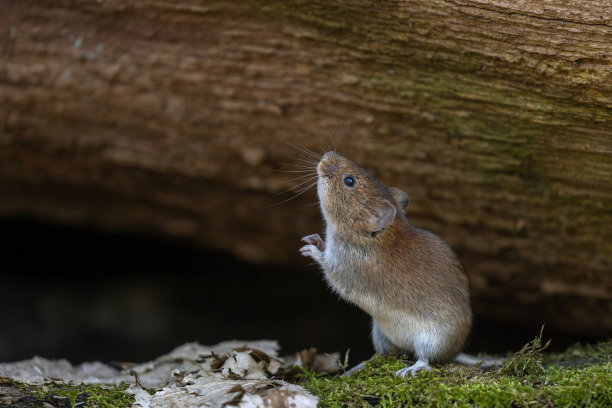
313	252
315	240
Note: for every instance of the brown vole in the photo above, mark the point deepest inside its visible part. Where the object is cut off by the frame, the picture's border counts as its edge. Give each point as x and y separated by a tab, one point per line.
406	278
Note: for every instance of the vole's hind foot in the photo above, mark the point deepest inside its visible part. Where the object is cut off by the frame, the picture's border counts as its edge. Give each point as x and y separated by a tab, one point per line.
420	365
312	252
315	240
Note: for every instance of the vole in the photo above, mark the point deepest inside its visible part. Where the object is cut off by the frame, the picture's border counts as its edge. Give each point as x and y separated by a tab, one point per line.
408	279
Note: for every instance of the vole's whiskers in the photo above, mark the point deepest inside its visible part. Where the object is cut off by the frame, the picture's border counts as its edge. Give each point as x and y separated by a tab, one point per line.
300	192
306	165
326	147
301	183
308	187
309	152
299	168
325	143
343	137
347	134
304	176
334	135
291	171
312	165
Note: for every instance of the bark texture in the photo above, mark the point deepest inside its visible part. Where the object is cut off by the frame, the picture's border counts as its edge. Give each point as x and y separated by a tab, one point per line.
168	116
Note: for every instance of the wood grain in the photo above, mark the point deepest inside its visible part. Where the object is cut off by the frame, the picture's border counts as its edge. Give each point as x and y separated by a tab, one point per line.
168	117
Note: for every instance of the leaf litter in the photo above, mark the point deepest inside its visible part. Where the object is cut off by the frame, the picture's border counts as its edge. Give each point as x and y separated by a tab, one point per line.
229	374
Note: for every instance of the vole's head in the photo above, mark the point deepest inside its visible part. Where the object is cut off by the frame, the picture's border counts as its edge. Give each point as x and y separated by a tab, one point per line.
354	201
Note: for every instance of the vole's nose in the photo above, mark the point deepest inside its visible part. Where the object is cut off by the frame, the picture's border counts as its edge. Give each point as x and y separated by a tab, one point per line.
327	166
328	155
327	170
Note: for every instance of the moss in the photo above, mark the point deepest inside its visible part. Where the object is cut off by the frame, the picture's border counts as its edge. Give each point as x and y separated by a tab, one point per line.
524	381
85	395
528	361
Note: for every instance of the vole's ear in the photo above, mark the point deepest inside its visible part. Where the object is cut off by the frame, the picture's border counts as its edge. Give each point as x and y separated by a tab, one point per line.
401	197
381	215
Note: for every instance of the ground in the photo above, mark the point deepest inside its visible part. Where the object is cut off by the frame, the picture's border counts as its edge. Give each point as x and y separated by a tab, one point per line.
580	376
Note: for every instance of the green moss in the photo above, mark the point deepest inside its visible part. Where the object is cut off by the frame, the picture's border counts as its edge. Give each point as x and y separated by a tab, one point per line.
528	361
524	381
90	395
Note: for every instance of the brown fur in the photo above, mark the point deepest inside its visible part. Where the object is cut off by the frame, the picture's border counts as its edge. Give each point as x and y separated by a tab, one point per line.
399	270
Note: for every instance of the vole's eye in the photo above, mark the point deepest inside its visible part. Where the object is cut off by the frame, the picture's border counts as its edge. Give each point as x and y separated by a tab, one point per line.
349	181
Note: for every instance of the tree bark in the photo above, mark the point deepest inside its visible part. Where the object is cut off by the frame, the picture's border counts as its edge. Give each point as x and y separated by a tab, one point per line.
169	117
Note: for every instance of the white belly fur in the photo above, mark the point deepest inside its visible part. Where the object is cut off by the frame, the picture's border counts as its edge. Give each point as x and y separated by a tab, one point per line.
407	332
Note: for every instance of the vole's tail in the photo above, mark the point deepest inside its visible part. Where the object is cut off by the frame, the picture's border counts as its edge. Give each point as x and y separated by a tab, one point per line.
484	361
